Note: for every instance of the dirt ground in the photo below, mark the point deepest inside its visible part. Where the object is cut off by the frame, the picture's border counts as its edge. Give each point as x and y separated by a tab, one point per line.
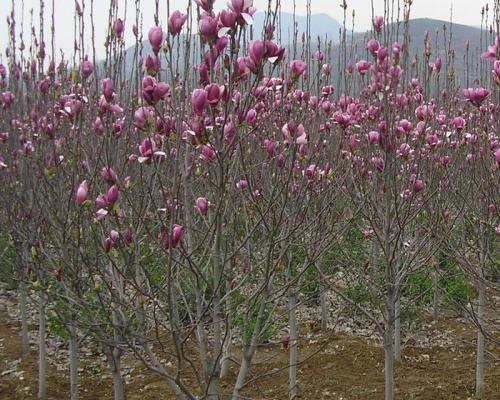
340	367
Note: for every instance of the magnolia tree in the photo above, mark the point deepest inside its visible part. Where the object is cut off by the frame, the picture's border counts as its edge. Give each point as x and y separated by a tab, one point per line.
176	206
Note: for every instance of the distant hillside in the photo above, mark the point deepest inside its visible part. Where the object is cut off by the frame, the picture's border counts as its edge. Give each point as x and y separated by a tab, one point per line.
326	27
439	32
321	25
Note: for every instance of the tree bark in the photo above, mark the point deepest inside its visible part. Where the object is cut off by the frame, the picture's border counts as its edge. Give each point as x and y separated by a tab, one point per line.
226	347
397	331
480	386
324	311
292	315
480	341
118	381
42	348
435	297
388	346
25	345
73	361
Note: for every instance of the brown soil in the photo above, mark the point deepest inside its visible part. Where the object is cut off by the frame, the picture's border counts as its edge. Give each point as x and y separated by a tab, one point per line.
339	367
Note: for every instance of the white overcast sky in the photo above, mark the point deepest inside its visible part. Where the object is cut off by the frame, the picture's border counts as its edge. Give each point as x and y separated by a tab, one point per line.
464	11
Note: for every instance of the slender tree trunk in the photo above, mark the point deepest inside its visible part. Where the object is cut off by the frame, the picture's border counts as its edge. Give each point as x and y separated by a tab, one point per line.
324	311
118	381
73	361
397	331
25	345
435	297
42	349
388	346
480	367
226	347
292	315
480	341
249	350
242	374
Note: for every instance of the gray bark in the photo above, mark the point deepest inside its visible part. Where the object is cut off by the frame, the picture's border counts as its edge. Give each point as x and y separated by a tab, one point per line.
435	297
118	385
480	386
324	311
397	331
388	346
42	349
292	315
25	345
73	361
480	343
226	347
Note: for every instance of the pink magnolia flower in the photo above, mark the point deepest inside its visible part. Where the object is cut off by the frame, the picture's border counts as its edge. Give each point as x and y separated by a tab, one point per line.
153	92
118	28
6	99
155	36
202	205
101	214
109	175
142	116
112	195
496	71
493	50
87	68
228	18
373	137
476	96
363	66
176	236
270	147
256	51
199	101
214	93
497	156
101	202
108	89
82	193
418	184
208	152
242	184
378	162
243	9
373	46
206	5
298	67
176	21
378	23
127	236
208	27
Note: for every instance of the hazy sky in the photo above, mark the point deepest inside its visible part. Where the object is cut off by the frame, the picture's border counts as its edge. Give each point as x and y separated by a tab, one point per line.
464	12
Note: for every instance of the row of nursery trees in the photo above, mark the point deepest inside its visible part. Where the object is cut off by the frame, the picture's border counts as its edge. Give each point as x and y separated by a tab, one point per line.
186	205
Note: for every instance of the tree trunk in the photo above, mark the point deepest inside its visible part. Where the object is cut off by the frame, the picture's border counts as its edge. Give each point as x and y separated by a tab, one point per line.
242	374
118	381
42	349
249	349
435	297
397	331
73	361
292	315
226	347
480	341
324	311
388	346
25	345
